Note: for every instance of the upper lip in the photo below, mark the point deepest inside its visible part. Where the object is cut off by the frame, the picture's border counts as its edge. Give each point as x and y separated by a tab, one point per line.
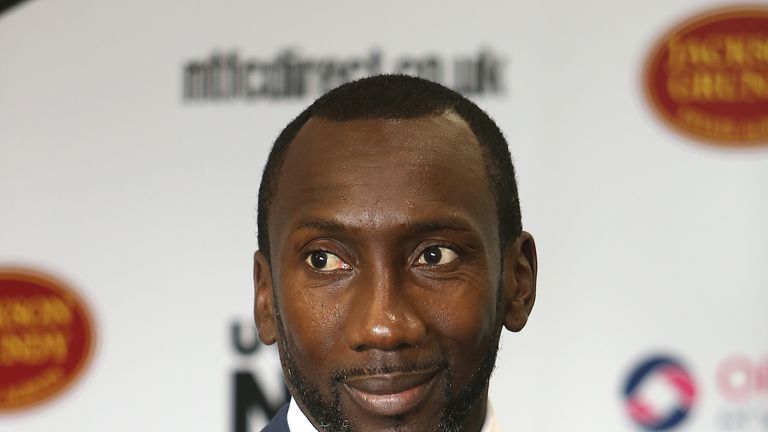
390	383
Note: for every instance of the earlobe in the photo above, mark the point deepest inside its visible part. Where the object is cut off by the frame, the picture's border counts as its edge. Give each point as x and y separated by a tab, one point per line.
519	278
263	307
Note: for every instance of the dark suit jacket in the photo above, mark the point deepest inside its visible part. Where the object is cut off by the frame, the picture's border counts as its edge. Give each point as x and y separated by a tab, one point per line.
279	422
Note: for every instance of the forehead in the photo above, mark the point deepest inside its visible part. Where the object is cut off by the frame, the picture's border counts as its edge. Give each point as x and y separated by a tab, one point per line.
378	173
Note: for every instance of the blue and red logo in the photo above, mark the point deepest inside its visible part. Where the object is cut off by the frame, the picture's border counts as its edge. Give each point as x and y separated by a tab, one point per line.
659	394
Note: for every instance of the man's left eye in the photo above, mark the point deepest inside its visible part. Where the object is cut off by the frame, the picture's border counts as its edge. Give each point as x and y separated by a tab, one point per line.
436	255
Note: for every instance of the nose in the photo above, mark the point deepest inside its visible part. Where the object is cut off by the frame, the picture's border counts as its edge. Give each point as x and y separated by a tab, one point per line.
383	315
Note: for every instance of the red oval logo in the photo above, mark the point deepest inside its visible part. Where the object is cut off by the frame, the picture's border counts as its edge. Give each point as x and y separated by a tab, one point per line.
708	77
46	338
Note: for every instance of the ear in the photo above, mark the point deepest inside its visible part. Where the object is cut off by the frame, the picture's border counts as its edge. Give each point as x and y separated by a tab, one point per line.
263	307
519	279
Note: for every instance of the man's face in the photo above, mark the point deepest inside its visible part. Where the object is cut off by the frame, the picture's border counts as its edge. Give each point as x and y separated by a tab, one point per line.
387	288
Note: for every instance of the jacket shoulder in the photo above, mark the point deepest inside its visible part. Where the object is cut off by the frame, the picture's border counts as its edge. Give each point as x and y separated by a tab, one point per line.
279	422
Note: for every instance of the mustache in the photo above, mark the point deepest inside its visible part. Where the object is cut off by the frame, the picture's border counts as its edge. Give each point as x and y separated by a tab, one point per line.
341	375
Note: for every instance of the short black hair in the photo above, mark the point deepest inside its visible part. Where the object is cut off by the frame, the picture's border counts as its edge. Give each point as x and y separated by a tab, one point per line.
400	97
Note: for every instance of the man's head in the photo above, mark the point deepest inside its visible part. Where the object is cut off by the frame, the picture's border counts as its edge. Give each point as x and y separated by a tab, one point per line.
391	255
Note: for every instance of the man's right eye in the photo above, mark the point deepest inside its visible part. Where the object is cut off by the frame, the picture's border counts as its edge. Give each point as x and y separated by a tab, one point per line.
325	261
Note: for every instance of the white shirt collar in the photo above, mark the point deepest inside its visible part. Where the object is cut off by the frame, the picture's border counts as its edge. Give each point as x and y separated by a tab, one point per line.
298	422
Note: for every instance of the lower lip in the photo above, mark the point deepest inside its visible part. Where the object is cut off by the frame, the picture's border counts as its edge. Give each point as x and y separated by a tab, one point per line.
391	404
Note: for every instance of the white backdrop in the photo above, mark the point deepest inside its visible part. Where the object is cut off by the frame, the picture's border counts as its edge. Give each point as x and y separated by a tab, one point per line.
144	200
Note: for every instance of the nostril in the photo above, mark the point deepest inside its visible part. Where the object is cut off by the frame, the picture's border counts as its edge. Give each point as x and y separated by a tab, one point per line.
378	336
387	337
383	319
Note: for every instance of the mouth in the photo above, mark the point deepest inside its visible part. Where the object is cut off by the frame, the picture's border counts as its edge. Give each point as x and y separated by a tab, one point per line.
391	394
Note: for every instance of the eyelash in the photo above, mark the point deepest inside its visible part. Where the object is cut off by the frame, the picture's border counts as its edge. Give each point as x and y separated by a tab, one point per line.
309	253
450	247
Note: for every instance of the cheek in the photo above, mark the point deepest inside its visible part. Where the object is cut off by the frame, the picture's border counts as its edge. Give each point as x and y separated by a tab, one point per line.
311	321
463	321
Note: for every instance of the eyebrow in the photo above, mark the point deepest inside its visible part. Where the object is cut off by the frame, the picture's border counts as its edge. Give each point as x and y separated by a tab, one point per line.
414	229
436	226
319	224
